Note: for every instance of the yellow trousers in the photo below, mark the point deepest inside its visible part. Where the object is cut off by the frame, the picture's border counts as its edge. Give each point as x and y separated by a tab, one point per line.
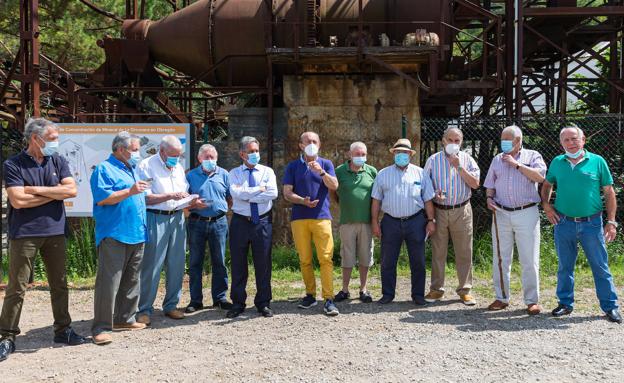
319	231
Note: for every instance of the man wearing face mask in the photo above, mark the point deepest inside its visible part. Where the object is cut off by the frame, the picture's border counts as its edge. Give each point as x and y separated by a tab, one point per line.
454	174
579	175
207	222
404	193
166	244
253	188
120	233
307	182
355	184
512	196
37	181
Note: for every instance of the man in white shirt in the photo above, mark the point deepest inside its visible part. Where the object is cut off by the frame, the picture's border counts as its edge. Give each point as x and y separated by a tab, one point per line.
253	188
166	239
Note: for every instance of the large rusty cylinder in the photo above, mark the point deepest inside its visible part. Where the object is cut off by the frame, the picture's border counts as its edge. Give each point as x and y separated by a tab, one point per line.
236	33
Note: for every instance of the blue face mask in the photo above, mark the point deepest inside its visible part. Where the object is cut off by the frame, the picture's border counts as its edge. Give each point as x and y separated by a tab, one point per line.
401	159
49	148
574	155
506	146
209	165
359	161
172	161
253	158
135	158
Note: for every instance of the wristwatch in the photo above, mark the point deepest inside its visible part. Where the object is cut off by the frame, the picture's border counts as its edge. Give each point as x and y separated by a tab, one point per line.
614	223
517	166
322	174
431	220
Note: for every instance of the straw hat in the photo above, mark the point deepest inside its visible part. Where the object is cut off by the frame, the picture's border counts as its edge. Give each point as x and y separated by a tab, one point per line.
402	143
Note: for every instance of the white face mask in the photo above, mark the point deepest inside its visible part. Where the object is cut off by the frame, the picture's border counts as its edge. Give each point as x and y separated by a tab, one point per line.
311	150
452	149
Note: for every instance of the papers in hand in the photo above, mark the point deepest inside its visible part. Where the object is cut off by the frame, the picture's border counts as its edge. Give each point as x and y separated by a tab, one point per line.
185	202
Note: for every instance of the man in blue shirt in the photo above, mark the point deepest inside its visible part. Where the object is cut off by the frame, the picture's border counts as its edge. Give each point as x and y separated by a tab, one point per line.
37	181
207	222
120	233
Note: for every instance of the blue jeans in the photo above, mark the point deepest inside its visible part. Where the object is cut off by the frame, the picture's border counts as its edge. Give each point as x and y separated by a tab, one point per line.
590	234
216	234
393	233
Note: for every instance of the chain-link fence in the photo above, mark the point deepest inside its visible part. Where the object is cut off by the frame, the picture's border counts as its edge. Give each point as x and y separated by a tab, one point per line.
604	133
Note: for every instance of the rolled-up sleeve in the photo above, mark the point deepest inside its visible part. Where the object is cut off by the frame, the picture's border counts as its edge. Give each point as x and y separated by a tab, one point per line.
101	184
537	162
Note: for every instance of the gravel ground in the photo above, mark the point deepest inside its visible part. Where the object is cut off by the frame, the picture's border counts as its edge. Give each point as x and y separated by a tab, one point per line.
445	342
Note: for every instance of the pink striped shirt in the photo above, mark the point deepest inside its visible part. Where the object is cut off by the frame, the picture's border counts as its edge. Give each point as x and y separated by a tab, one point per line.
514	189
446	178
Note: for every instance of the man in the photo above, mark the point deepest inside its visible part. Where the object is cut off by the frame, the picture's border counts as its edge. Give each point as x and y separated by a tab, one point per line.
253	188
355	185
577	215
37	181
120	234
512	196
404	193
453	173
166	244
307	182
207	222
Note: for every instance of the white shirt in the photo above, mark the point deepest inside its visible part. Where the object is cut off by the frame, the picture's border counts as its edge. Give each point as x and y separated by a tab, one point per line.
242	194
164	180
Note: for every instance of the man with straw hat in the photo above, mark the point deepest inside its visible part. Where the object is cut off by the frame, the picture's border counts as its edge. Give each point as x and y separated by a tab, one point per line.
404	193
512	196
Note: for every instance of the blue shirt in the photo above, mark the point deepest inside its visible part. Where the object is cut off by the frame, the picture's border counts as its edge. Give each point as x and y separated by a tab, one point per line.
124	221
44	220
213	189
307	183
402	192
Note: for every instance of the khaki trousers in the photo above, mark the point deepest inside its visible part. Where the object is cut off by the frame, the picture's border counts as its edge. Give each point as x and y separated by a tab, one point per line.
456	223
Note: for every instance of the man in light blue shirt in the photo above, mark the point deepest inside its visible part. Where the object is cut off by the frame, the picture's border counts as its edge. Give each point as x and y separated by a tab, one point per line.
207	222
404	193
120	233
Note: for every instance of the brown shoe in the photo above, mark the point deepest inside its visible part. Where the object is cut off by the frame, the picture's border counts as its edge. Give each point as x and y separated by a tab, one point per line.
129	326
144	318
534	309
468	299
497	305
434	296
102	339
175	314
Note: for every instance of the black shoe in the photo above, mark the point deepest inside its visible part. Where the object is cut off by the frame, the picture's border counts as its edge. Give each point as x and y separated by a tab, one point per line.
385	299
7	346
266	312
562	310
70	337
342	296
366	297
223	305
307	302
420	301
193	307
234	312
614	316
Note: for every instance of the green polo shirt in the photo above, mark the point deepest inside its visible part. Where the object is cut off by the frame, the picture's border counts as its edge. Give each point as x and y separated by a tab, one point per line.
354	193
578	187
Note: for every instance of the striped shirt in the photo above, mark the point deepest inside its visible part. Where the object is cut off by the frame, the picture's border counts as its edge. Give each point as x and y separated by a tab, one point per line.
402	192
514	189
446	177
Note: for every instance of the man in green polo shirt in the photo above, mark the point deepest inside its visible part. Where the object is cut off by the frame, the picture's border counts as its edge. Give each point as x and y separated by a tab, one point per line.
577	215
355	184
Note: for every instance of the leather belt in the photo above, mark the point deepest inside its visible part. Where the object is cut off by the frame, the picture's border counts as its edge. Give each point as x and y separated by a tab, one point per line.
407	218
515	208
163	212
581	219
247	218
451	207
207	219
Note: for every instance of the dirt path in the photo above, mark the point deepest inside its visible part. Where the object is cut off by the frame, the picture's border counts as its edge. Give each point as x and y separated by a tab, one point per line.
396	343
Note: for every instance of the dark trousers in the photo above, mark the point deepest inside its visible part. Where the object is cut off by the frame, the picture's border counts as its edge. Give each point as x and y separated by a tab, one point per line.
243	235
22	254
393	233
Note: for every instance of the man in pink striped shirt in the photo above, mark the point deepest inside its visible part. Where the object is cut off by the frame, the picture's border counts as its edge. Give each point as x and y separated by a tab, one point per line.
512	196
454	174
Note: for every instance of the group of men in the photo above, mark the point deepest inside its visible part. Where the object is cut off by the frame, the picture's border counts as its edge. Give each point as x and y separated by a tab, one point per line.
141	225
